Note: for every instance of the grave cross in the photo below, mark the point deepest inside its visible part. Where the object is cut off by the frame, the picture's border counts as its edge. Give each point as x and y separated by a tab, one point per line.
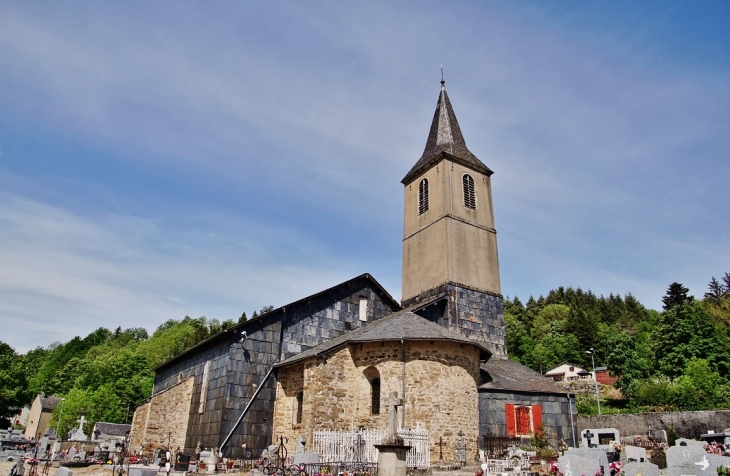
81	422
588	436
441	449
393	403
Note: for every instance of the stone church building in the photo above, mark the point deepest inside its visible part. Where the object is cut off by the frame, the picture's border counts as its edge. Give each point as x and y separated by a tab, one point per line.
330	360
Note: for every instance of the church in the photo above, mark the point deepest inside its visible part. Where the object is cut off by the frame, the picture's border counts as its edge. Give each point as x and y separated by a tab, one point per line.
330	361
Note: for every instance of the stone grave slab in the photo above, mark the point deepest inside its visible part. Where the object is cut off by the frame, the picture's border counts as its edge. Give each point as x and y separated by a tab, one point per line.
686	442
574	465
716	461
687	461
636	453
142	471
306	458
63	471
641	469
592	453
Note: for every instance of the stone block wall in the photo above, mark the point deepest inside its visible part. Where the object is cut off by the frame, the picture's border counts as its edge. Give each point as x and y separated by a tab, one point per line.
441	390
686	424
162	422
474	314
555	413
237	370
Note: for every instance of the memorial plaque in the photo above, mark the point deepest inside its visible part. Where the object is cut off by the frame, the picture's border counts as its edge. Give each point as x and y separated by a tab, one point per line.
687	461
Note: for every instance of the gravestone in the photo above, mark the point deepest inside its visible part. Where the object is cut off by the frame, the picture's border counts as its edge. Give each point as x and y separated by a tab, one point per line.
687	460
592	453
641	469
460	449
592	437
659	457
43	444
635	453
573	465
63	471
661	436
77	434
306	458
300	444
686	442
82	454
136	471
391	451
72	453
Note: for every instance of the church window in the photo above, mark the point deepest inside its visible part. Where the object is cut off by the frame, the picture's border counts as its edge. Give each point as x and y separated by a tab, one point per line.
522	417
423	196
373	377
375	397
470	198
299	407
363	311
204	387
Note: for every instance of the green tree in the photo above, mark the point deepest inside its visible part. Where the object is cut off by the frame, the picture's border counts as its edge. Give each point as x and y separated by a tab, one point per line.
676	296
13	381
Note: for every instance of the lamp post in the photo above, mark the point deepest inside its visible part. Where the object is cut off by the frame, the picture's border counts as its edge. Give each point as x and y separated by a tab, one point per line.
60	415
592	352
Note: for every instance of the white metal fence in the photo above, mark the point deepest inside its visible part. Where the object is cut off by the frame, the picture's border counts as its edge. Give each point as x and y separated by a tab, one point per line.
358	446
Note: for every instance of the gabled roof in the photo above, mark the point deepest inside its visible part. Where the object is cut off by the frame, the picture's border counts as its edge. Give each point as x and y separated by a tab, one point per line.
401	325
445	141
116	429
570	364
381	290
50	403
510	376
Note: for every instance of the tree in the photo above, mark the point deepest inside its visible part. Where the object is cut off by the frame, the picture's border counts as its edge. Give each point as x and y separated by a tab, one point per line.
676	295
243	318
717	291
13	381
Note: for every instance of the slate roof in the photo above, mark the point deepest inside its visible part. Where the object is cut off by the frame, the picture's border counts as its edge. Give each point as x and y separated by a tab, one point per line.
509	376
400	325
445	141
50	403
383	293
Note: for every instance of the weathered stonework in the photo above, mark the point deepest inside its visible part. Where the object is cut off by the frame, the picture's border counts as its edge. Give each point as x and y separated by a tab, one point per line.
440	380
162	422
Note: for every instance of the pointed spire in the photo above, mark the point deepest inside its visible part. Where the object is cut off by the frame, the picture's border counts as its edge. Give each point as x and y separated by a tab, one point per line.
445	138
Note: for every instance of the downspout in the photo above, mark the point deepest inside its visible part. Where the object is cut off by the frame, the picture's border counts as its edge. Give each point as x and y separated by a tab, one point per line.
245	410
403	414
572	425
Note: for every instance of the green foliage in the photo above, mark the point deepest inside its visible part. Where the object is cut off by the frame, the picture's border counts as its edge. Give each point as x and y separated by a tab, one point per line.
13	381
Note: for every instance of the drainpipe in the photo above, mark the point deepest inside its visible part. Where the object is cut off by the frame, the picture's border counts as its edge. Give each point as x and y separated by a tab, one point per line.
403	414
572	425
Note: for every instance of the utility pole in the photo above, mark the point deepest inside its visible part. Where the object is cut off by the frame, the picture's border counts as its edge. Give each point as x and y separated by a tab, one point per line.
592	352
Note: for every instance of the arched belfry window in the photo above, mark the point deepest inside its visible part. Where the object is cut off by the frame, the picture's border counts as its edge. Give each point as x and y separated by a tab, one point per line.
470	197
373	376
423	196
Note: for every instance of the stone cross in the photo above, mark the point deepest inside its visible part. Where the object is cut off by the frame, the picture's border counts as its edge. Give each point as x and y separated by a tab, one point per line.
588	436
393	403
81	422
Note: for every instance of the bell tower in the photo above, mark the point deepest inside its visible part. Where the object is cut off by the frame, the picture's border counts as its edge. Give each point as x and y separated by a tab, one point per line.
450	243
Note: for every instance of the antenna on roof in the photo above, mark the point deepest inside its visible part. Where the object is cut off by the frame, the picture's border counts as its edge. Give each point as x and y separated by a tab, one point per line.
442	75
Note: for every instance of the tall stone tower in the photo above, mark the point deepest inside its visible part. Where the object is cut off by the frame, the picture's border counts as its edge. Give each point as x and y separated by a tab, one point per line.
450	260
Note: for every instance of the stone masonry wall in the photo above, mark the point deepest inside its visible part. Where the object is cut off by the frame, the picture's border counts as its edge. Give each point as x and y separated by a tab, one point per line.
441	394
237	370
165	418
686	424
474	314
555	413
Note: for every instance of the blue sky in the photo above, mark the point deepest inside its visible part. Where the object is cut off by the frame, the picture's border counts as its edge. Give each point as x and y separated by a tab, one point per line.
159	159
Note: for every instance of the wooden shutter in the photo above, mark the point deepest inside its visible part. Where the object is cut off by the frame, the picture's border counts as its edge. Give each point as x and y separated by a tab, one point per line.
509	409
536	418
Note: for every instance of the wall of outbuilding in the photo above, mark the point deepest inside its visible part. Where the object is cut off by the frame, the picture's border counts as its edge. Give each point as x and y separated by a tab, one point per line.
556	413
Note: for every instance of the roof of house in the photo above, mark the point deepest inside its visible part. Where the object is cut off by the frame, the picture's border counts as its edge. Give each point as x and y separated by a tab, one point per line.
554	371
49	403
116	429
445	141
508	375
401	325
385	294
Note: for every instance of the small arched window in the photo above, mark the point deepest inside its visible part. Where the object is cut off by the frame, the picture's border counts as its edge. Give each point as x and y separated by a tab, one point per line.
470	198
375	396
298	407
373	377
423	196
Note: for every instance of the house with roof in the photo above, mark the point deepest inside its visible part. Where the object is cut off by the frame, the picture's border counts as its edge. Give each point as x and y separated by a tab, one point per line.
568	372
110	432
329	360
39	417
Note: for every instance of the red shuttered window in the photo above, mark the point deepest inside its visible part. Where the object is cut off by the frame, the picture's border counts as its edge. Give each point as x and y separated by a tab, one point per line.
510	414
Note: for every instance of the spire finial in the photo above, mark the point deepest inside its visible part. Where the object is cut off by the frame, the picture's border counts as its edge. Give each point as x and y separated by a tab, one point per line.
442	76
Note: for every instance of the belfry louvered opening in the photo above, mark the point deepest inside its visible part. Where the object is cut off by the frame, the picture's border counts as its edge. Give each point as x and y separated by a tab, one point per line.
423	196
470	198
